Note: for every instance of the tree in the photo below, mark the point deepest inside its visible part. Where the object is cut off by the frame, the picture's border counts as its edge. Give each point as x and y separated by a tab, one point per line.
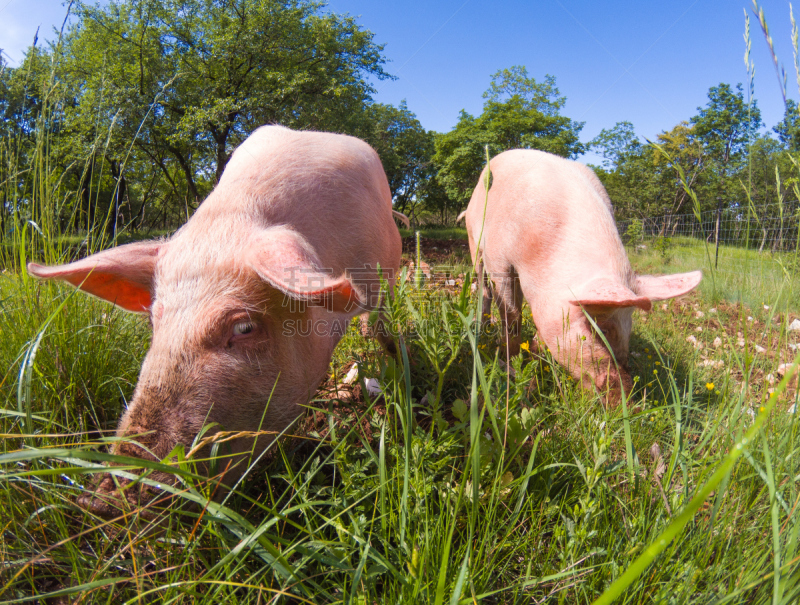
684	149
724	127
615	143
519	113
188	80
405	149
788	129
515	82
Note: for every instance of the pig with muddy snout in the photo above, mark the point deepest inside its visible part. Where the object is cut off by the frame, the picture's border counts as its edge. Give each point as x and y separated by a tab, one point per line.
547	234
249	298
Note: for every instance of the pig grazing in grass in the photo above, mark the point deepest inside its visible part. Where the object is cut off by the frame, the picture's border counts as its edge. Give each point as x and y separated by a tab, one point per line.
547	233
249	298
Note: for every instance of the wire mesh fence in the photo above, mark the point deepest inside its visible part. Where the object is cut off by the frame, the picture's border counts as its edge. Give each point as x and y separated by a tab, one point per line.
750	254
773	227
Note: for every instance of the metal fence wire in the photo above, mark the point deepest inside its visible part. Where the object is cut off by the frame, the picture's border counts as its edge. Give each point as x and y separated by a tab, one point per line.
773	227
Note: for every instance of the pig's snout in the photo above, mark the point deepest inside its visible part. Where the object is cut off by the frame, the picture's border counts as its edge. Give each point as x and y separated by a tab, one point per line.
608	380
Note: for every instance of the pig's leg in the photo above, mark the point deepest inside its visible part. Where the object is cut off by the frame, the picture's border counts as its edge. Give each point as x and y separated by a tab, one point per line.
379	331
509	302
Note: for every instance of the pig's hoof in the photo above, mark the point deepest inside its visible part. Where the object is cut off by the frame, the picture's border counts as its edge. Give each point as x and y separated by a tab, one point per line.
104	505
109	501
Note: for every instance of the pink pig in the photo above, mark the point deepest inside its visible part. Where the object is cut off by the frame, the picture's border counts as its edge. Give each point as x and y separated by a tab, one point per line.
249	298
548	234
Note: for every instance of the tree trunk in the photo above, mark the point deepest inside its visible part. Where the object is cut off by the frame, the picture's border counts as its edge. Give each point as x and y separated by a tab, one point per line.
221	140
187	173
119	192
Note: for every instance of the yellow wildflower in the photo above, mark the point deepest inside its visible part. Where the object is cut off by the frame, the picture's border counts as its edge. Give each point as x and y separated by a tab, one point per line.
710	386
525	347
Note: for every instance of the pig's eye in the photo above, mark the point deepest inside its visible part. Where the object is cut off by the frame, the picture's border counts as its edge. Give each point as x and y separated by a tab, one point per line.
243	327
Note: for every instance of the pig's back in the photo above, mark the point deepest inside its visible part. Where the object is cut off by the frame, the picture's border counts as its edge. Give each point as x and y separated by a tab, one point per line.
330	188
549	213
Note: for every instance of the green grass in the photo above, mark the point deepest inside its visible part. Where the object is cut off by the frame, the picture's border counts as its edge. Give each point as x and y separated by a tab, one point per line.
439	233
493	490
741	275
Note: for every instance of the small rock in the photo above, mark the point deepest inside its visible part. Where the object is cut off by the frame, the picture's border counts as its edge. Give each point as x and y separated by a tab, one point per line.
655	451
791	410
695	343
712	310
664	307
782	369
343	394
351	376
373	386
749	318
794	326
698	329
794	347
658	460
766	307
740	342
770	379
450	282
473	287
699	315
717	342
760	349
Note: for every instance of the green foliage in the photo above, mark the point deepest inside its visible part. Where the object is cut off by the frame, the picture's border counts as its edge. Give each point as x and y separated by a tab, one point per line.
143	102
615	144
519	113
635	231
405	148
788	129
723	159
663	245
726	124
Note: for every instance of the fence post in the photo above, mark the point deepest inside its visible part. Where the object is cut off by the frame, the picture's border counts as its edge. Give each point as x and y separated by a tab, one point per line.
716	230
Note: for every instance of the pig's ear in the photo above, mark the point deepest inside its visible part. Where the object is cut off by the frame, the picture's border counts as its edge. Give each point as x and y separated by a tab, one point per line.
600	297
283	258
121	275
662	287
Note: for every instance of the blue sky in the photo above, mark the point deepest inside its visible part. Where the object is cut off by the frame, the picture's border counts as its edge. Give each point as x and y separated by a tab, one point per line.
649	62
